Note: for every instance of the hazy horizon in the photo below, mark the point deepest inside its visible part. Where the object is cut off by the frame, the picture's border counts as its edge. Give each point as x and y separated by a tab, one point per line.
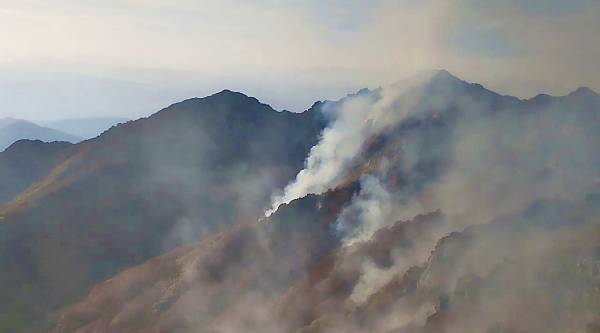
132	58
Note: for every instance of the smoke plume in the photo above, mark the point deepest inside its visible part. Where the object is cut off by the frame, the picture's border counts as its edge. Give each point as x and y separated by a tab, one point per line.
355	119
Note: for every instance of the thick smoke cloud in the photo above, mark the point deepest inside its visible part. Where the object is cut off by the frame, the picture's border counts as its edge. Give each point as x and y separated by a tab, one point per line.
501	159
360	220
503	163
327	160
355	119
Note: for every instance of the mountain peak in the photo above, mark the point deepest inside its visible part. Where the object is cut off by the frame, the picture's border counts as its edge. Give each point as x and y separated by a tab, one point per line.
430	79
584	92
10	121
442	74
442	79
229	93
224	97
434	78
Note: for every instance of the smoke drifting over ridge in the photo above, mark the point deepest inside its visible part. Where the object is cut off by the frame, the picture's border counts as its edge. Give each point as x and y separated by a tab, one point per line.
355	119
497	156
508	180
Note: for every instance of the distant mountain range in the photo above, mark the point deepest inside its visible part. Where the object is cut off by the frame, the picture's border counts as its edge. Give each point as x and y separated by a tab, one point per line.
66	130
434	205
12	130
86	128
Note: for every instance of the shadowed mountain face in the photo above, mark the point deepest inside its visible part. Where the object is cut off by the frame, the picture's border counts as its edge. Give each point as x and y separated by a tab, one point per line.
12	130
26	162
430	206
141	189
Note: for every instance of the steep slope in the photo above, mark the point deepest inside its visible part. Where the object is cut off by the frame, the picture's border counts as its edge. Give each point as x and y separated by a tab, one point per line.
252	278
86	128
546	279
201	287
516	275
460	210
12	130
26	162
140	189
471	282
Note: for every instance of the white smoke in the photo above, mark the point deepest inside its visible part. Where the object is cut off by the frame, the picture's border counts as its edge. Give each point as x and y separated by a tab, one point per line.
501	163
357	118
327	160
367	213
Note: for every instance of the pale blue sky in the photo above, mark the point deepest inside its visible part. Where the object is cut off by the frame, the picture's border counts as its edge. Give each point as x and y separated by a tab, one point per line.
78	58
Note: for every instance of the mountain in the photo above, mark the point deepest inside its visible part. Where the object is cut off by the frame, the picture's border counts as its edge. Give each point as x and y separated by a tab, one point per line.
12	130
140	189
86	128
26	162
8	121
504	216
302	280
433	205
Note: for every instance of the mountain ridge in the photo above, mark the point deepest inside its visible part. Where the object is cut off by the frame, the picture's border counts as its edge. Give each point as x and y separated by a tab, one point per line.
189	183
84	204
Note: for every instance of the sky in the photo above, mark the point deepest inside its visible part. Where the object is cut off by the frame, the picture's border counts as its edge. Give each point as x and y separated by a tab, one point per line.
130	58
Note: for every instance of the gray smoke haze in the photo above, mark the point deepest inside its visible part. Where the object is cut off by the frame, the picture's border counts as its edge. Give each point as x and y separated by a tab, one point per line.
129	58
479	158
503	158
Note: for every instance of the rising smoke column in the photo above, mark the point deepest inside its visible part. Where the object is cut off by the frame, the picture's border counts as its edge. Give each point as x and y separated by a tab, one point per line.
327	160
356	118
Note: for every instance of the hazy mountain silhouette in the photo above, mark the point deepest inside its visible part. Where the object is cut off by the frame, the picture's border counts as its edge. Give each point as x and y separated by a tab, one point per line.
86	128
12	130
